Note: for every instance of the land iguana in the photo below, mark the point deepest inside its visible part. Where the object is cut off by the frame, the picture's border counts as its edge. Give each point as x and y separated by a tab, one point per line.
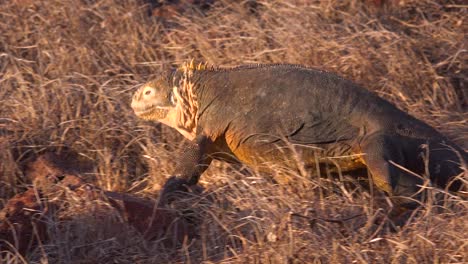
255	113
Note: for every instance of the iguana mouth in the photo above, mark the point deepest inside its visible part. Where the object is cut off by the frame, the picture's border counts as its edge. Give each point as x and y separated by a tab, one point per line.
152	112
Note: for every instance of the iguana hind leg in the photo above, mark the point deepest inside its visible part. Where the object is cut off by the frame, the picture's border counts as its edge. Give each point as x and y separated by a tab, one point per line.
446	162
383	156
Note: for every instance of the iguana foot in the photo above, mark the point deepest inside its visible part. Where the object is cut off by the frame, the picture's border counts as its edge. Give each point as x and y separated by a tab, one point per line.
173	186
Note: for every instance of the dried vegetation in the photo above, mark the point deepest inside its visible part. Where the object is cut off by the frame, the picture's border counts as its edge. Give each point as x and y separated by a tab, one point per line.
67	71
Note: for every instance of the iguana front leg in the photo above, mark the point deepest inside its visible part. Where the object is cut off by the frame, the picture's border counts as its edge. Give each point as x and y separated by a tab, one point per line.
194	160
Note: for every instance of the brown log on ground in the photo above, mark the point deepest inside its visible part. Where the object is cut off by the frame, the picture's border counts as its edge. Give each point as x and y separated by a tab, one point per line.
22	220
152	222
49	169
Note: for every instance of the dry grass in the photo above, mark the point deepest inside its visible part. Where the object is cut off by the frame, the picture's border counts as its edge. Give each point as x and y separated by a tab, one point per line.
67	71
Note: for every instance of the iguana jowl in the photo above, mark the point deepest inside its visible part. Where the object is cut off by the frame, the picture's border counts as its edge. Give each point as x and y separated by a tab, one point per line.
256	113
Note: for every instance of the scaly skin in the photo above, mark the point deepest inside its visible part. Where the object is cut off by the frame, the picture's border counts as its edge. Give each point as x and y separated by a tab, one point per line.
267	114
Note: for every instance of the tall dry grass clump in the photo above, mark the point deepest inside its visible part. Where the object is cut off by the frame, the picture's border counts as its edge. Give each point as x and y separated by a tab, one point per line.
68	69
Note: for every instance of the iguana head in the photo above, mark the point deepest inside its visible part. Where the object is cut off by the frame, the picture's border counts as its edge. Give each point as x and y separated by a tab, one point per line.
169	100
154	100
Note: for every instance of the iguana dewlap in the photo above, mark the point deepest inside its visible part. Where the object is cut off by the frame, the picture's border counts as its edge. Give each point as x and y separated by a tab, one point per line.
275	114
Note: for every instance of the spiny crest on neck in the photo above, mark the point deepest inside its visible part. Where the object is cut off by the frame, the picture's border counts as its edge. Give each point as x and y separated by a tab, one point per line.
192	66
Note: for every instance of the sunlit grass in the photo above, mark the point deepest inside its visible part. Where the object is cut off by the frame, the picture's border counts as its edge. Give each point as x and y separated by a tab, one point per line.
67	72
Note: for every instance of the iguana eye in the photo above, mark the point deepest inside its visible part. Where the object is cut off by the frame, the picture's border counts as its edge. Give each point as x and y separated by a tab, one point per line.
147	90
